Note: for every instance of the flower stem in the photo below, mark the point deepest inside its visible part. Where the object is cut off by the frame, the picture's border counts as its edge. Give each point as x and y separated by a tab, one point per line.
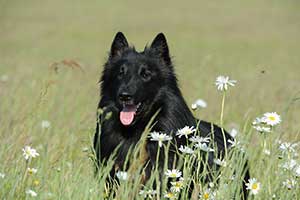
221	123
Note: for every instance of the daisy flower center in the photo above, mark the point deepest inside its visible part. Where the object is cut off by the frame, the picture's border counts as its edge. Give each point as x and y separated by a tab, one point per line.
272	118
206	196
254	186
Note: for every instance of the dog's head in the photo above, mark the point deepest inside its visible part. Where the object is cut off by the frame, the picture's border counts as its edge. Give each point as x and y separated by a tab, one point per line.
133	80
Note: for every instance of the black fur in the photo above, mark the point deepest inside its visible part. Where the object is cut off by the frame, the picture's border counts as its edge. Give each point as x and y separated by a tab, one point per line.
148	78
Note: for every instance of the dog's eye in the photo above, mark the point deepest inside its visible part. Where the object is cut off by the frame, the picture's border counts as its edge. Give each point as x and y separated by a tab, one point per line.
146	75
122	71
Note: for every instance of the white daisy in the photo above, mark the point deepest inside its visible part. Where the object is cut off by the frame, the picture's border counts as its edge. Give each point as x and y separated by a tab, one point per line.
289	165
147	193
2	175
31	193
204	147
289	183
199	139
122	176
262	129
271	118
177	185
29	152
211	184
174	173
186	149
31	170
159	137
297	171
223	82
170	195
233	143
45	124
257	121
233	132
267	152
199	103
287	147
220	162
208	194
253	185
185	131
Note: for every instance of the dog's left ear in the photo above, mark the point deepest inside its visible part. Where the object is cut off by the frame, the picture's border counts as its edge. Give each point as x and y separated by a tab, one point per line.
160	47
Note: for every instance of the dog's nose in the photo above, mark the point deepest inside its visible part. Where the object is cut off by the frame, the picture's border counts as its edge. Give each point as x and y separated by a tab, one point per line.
125	96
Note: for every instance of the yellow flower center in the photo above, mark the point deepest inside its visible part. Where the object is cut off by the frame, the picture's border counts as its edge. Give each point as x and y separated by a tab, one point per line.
272	118
170	195
177	184
36	182
254	186
206	196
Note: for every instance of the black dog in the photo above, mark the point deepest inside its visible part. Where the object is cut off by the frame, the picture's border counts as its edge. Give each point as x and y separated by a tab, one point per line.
134	86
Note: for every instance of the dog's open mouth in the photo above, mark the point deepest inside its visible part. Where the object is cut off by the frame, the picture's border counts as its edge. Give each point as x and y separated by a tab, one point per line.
128	112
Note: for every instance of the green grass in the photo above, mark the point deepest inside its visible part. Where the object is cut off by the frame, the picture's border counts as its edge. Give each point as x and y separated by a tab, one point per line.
255	42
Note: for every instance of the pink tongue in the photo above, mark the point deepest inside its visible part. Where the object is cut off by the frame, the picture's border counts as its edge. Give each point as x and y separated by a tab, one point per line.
127	116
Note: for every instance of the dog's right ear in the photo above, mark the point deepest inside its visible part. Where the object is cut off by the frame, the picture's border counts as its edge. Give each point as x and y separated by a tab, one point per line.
119	44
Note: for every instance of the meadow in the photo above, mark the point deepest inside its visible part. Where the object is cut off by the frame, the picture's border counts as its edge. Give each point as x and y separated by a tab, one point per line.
51	57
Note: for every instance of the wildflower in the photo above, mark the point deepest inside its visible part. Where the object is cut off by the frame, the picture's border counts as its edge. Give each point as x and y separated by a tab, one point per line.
177	185
220	162
233	142
257	121
271	119
160	137
186	149
31	193
233	132
45	124
199	139
289	183
199	103
287	147
208	194
262	129
185	131
223	82
194	106
31	170
174	173
267	152
147	193
297	171
170	195
2	175
204	147
122	176
36	182
29	152
289	165
253	185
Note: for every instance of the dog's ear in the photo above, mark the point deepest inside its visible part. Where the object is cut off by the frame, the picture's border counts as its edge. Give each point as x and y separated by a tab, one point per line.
119	44
160	47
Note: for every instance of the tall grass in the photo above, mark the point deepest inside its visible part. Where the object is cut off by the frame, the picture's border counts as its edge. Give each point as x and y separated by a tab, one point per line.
66	170
257	42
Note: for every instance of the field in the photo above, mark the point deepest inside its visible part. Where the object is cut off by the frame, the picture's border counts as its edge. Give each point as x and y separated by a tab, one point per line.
51	57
